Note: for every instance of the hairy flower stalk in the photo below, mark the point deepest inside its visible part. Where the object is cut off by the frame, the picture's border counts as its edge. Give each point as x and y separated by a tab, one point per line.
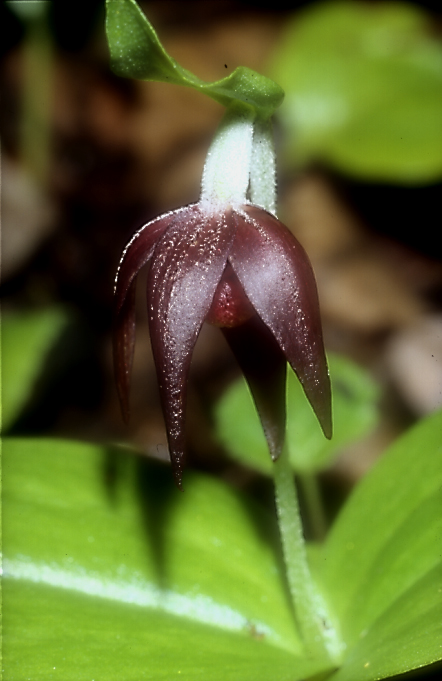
227	260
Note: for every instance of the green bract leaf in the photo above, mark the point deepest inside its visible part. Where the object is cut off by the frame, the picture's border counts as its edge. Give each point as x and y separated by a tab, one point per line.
382	561
354	415
112	573
136	52
364	90
27	339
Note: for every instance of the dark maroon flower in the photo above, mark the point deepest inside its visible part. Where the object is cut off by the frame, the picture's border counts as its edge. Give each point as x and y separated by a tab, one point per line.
242	270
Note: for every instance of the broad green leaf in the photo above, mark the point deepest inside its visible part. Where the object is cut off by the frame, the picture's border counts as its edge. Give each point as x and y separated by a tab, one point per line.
27	339
381	565
112	573
363	86
354	414
136	52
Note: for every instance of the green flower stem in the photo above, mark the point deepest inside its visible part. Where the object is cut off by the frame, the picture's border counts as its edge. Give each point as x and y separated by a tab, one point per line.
263	167
310	611
312	495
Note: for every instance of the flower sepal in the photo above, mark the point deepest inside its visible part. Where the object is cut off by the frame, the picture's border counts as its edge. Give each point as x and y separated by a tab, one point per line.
240	269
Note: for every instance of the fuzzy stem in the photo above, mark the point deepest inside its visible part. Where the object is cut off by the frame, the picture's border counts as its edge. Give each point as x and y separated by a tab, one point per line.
309	608
312	495
226	171
263	167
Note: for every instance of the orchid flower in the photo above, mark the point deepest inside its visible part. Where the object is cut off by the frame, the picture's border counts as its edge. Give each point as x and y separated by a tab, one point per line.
229	262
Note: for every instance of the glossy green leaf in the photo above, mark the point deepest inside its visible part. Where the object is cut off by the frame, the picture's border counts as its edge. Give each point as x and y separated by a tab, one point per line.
112	573
363	86
354	415
136	52
382	562
27	339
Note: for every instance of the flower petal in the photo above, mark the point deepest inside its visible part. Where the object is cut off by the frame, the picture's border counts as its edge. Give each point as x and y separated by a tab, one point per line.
136	254
278	279
138	251
264	366
185	271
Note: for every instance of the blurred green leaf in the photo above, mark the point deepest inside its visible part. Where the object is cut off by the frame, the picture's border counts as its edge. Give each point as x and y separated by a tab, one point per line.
112	573
27	339
136	52
363	86
29	10
354	415
381	564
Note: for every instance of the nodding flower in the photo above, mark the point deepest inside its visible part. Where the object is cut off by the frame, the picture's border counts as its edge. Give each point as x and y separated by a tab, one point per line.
239	268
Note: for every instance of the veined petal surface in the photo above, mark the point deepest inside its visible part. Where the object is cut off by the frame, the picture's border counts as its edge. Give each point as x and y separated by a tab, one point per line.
188	265
136	254
278	279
